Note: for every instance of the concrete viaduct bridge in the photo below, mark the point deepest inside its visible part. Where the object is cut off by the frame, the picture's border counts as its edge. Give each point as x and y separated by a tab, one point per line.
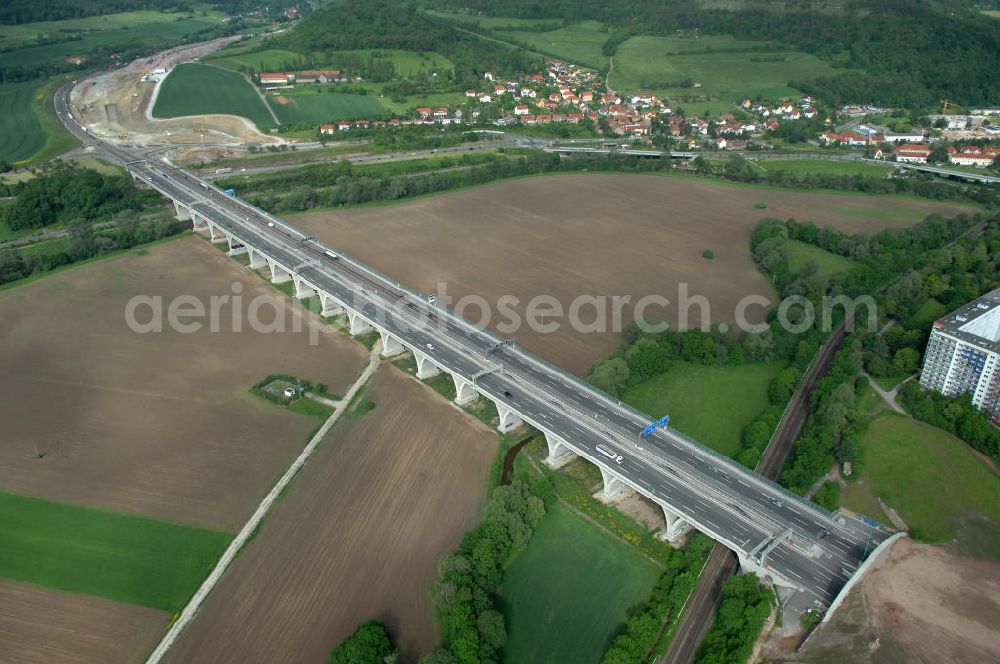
781	537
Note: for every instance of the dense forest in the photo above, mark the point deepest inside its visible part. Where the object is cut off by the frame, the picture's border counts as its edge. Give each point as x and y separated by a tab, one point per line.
909	53
29	11
363	24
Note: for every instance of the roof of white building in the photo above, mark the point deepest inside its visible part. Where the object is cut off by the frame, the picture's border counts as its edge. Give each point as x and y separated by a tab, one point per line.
977	322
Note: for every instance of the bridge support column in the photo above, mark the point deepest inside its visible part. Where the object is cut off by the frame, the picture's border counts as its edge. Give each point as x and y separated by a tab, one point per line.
425	367
216	234
236	247
559	452
330	306
465	393
303	290
279	275
257	260
391	346
676	528
198	224
182	211
358	324
508	418
614	487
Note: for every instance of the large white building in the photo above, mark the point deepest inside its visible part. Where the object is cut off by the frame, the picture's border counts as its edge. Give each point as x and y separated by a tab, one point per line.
963	354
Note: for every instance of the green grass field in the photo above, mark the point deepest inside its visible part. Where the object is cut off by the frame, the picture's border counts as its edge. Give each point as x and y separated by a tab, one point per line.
927	475
194	89
929	312
590	580
828	264
825	167
21	133
491	21
266	60
124	558
450	99
408	63
710	404
579	42
171	30
653	62
26	34
326	107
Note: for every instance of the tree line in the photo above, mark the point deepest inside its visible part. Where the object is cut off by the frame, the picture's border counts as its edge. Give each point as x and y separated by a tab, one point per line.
744	607
63	191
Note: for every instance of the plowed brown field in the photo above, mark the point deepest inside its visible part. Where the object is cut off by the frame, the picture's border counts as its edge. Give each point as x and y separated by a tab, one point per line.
357	537
592	234
39	625
159	424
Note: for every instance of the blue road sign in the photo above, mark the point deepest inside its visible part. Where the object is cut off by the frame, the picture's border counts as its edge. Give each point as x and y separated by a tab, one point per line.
648	430
664	421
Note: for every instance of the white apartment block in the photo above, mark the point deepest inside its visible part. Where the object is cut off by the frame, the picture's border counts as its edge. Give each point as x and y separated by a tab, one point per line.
963	354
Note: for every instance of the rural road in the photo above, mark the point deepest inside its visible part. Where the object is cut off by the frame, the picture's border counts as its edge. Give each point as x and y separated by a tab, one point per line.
191	610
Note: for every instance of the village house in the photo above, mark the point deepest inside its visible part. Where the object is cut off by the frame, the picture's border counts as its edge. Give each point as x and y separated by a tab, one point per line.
912	153
522	109
277	78
973	156
327	129
319	76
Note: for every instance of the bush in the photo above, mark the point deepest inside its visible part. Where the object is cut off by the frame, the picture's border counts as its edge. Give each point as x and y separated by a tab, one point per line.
369	644
708	253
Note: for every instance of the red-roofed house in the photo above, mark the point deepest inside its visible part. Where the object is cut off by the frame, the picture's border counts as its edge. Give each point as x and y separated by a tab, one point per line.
327	129
277	78
973	156
521	110
912	153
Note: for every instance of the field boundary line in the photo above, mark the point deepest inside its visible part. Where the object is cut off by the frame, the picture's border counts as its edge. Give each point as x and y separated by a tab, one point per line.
255	89
246	533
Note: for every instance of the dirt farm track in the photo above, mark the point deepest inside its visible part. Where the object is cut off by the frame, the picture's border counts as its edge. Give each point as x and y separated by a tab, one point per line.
592	234
159	424
358	536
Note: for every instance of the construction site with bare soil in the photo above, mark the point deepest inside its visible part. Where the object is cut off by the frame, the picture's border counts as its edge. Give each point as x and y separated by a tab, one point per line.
117	106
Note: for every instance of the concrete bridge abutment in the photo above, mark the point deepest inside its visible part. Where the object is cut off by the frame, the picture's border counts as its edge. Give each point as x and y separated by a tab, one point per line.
676	528
358	324
465	393
509	420
391	346
559	451
303	290
614	488
182	211
425	367
236	247
279	275
330	306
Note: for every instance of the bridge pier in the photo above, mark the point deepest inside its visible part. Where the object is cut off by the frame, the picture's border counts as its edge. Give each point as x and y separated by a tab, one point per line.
303	290
236	247
559	452
330	306
198	224
508	418
279	275
391	346
181	211
676	528
216	234
425	367
465	393
358	324
614	487
257	260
